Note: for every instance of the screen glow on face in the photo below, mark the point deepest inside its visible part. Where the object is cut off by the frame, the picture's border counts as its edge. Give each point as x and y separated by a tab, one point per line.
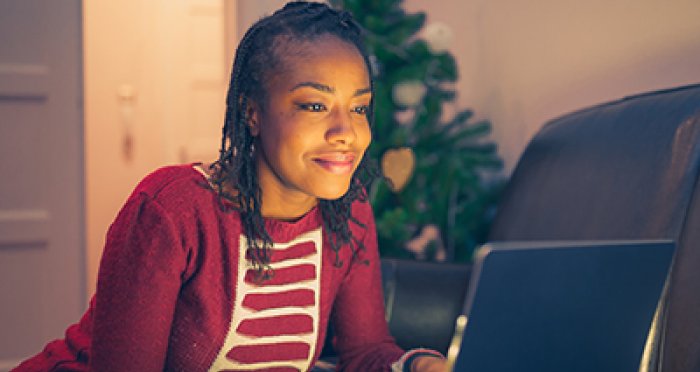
314	130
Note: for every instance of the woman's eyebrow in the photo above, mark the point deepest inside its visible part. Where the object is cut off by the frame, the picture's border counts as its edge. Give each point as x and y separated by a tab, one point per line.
327	89
318	86
362	91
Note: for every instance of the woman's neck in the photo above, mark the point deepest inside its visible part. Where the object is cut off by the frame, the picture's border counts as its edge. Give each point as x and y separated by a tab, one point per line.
276	204
285	206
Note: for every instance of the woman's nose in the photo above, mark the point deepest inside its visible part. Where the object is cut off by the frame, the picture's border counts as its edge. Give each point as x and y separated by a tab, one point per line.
341	130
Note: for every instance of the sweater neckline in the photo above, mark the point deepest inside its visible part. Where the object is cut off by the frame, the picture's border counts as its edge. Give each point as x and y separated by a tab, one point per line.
279	230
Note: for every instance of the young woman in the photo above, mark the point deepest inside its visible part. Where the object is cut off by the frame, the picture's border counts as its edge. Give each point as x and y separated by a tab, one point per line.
240	265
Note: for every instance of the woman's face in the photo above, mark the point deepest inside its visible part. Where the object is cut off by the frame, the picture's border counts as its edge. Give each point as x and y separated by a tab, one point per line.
312	130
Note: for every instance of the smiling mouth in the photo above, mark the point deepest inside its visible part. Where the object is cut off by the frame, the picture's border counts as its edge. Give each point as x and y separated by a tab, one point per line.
340	164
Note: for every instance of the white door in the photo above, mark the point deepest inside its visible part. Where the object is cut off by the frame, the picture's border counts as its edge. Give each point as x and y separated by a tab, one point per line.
41	174
154	95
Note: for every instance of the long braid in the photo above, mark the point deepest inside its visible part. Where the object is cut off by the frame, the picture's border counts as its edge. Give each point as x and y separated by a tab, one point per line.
338	213
256	56
236	165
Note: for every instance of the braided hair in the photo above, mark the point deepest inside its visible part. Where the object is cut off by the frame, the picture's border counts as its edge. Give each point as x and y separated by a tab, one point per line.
259	53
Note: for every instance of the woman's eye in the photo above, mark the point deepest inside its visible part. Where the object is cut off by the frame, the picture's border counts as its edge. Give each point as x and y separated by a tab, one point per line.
362	110
313	107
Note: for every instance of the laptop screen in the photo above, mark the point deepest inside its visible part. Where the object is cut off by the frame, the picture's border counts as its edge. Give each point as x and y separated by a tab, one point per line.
561	306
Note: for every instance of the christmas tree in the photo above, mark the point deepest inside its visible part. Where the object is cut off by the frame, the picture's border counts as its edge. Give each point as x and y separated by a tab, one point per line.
435	201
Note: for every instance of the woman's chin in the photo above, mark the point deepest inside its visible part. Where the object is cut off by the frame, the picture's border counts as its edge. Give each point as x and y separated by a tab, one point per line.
332	193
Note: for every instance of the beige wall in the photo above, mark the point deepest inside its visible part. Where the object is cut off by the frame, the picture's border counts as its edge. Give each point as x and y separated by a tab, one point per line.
525	62
250	11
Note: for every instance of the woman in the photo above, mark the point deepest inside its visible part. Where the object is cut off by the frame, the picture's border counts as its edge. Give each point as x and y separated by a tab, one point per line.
241	264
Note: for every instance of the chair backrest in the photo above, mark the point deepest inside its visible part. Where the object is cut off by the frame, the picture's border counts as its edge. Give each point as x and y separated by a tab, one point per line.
423	301
622	170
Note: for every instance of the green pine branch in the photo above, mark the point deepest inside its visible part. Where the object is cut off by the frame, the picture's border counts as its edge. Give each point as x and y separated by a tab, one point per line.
454	185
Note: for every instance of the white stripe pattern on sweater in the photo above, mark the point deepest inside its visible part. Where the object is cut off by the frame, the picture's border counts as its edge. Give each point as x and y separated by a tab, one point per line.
241	313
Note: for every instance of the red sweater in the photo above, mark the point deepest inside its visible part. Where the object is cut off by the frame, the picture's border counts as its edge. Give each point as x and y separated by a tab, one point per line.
175	293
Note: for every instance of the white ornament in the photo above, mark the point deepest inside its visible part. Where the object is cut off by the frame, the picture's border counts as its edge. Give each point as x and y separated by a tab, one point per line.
405	117
409	93
438	36
419	245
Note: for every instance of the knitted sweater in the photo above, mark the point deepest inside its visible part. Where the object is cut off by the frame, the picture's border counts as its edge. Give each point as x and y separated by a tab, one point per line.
175	292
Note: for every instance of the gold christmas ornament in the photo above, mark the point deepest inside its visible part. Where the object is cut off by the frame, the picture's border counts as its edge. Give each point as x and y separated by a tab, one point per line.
397	167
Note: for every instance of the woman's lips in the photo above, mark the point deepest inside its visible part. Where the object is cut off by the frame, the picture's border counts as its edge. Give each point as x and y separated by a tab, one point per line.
337	163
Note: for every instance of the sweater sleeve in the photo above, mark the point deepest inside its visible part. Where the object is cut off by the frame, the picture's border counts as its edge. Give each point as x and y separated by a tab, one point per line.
362	336
137	288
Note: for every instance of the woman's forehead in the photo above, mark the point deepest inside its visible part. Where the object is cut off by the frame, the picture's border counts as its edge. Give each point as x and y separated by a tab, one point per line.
286	48
328	58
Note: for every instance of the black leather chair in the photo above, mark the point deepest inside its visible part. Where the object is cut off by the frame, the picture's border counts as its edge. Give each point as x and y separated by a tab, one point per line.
622	170
422	300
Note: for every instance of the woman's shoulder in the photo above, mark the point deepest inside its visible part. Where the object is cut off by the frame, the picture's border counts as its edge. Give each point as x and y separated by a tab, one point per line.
175	186
167	177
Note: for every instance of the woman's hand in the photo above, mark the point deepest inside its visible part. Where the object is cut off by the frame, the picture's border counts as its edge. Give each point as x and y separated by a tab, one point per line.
429	364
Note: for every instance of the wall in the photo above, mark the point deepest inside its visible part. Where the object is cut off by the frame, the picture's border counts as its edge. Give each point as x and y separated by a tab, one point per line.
523	63
250	11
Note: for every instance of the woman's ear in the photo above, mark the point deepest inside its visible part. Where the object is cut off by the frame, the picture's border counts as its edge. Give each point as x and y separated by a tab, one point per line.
252	117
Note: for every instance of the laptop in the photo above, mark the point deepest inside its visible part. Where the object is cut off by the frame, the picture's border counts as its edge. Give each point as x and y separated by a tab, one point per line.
560	306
